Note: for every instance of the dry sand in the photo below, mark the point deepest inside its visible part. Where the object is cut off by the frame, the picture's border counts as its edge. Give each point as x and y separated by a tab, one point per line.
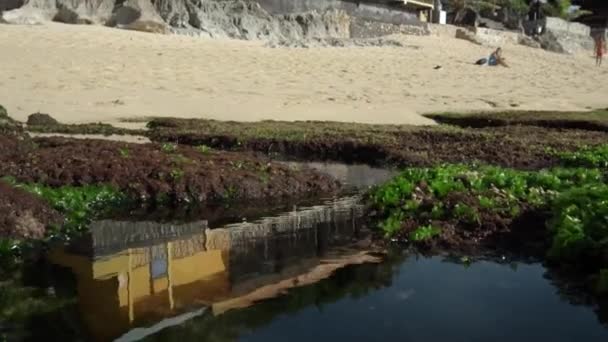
92	73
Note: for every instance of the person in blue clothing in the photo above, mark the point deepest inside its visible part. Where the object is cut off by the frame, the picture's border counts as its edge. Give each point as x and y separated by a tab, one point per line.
496	58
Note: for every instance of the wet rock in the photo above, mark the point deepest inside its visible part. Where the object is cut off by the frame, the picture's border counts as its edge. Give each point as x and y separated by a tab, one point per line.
41	119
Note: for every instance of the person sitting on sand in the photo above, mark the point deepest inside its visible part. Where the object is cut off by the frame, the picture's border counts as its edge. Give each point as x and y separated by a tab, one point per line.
495	59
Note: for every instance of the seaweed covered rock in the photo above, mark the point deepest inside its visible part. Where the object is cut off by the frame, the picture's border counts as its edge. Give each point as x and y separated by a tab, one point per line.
41	119
164	172
7	124
24	215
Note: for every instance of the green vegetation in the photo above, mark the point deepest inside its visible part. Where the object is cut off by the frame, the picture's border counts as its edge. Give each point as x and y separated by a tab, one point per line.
79	205
124	152
562	9
282	130
420	201
424	233
168	147
593	120
579	225
594	157
204	149
176	174
19	303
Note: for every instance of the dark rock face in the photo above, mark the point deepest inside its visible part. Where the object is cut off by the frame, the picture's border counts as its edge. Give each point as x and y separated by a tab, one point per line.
239	19
550	42
41	119
7	5
466	17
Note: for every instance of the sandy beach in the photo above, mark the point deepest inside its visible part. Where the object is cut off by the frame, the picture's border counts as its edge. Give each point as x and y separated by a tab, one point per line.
92	73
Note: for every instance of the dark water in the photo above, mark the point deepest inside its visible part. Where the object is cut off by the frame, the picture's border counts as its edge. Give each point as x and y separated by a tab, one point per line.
294	273
409	299
356	176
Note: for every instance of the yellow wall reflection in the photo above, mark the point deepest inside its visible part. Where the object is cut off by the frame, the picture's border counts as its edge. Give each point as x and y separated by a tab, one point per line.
140	285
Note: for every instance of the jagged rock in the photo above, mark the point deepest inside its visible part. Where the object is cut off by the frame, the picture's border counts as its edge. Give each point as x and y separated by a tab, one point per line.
177	13
238	19
549	41
131	11
41	119
560	36
7	5
528	41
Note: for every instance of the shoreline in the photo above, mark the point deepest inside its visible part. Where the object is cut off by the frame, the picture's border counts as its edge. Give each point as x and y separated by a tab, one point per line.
99	74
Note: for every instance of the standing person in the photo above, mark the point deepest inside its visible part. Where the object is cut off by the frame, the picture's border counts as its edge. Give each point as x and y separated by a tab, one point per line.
600	48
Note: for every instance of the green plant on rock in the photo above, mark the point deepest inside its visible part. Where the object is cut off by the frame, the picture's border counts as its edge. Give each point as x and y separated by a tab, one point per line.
230	194
580	225
424	233
466	213
496	189
176	174
168	147
392	224
7	247
124	152
78	204
596	157
204	149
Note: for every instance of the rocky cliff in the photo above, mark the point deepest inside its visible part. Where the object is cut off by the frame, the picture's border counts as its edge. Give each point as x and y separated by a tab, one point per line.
241	19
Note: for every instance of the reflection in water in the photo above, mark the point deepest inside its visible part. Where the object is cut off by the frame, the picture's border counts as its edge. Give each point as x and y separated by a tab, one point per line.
135	274
357	176
408	298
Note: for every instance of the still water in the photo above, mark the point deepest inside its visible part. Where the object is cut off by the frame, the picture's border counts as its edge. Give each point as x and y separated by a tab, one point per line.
296	272
308	274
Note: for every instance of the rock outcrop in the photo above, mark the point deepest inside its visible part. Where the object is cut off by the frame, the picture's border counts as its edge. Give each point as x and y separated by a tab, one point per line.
41	119
239	19
8	126
561	36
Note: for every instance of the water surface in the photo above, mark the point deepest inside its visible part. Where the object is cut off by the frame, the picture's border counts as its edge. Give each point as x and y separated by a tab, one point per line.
298	271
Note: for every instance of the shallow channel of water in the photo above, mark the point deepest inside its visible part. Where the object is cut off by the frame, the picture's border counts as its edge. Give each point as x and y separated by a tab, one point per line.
293	273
